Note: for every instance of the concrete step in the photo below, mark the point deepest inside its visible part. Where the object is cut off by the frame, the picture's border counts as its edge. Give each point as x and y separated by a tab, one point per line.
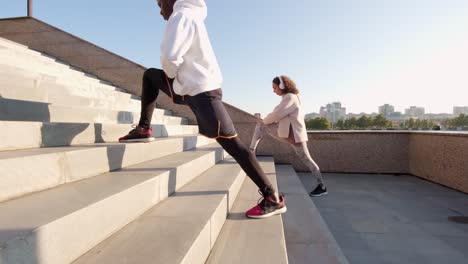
35	61
28	171
308	238
39	90
181	229
52	67
8	44
24	135
17	110
247	240
61	84
61	224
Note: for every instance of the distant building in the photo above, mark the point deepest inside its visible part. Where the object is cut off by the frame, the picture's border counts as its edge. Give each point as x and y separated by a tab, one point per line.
386	110
458	110
312	116
333	112
415	112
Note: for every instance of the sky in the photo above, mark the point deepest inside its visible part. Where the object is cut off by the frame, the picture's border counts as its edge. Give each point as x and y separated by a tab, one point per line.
363	53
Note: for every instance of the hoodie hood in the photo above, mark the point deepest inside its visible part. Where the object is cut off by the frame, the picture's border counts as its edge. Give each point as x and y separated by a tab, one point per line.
196	9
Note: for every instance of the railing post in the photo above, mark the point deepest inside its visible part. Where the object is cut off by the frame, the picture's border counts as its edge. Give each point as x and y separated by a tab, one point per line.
30	8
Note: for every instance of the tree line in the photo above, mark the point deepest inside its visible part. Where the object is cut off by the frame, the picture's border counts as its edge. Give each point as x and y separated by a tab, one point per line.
380	122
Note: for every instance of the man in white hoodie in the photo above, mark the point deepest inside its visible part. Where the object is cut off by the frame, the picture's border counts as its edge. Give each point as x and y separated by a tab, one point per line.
191	76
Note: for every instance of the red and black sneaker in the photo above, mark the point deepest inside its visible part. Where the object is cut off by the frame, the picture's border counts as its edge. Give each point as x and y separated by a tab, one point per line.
139	134
267	207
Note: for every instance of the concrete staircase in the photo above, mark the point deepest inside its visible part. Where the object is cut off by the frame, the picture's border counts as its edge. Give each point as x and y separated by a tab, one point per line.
70	194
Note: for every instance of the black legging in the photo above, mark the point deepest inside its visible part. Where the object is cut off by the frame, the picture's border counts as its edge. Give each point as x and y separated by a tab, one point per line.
155	80
248	163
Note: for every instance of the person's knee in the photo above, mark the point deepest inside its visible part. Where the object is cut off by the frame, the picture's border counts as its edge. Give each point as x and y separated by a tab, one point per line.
152	72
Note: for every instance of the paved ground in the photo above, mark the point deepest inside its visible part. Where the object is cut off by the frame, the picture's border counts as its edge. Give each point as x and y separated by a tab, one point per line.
393	219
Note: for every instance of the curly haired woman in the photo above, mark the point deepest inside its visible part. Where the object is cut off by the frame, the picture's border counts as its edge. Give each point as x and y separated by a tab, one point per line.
286	123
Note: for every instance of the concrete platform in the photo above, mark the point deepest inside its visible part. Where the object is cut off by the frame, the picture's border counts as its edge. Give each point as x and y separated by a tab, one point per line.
394	219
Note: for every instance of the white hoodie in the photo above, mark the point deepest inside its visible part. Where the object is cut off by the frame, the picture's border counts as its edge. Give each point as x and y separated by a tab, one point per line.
186	52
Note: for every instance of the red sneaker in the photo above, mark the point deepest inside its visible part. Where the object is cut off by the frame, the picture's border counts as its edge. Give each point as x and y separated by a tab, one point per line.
267	207
138	134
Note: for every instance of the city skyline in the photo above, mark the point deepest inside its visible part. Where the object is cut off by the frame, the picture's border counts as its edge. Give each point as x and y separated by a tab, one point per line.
456	109
336	110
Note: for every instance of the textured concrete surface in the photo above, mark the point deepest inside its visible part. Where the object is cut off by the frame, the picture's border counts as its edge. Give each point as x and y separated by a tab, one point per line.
181	229
393	219
440	158
250	241
367	152
308	238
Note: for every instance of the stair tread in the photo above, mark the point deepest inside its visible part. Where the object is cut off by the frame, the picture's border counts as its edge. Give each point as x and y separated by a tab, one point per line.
167	232
32	211
245	240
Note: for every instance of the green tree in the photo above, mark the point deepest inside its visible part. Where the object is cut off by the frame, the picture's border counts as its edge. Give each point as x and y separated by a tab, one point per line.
351	123
410	123
340	124
319	123
460	121
364	122
381	122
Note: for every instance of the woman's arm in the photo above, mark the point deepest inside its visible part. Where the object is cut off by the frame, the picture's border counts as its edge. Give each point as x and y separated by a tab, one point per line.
286	106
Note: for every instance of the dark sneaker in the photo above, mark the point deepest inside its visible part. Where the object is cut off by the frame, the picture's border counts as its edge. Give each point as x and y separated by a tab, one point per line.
138	134
267	207
319	191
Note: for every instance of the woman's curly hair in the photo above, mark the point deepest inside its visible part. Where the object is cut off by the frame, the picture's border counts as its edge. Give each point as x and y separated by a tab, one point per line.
289	85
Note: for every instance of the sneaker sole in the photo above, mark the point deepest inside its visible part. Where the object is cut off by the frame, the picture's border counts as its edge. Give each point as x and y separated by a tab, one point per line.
317	195
144	140
277	212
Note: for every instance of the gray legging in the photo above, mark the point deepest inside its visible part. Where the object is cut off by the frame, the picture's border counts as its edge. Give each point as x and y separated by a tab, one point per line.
300	148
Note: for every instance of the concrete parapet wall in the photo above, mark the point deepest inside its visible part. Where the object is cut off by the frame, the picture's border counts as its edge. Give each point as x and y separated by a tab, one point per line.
441	158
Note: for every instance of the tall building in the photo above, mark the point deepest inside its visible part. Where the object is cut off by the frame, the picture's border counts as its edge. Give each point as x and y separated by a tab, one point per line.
458	110
415	112
333	112
386	110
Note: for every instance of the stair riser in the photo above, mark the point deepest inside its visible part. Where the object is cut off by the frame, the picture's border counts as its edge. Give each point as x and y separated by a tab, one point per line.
23	135
14	110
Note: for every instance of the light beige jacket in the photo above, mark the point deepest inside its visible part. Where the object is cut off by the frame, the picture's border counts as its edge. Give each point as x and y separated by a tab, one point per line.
289	114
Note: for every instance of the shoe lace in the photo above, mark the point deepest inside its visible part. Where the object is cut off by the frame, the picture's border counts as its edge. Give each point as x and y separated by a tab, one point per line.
262	200
133	130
